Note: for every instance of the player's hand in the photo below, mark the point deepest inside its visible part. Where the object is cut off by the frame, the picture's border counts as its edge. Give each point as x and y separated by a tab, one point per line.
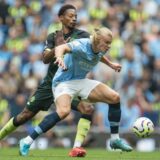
60	62
59	38
117	67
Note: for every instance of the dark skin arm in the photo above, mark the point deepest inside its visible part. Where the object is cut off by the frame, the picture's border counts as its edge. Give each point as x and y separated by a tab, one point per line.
48	54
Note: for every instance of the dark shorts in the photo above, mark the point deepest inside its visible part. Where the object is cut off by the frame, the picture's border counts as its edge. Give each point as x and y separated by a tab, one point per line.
42	100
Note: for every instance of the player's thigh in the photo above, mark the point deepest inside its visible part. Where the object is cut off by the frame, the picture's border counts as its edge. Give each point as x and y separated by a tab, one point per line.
40	100
64	88
103	93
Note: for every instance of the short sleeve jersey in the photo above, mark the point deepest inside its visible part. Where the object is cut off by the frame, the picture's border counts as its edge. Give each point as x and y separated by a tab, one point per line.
50	43
79	62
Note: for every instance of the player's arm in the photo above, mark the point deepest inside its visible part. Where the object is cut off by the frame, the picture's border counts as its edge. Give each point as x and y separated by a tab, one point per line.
61	50
48	55
75	47
117	67
59	54
106	61
52	41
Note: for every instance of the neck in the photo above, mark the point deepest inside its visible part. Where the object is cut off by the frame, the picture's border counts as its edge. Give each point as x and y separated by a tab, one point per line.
66	30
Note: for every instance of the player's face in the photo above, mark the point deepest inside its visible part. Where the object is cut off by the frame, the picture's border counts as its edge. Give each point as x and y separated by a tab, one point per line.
69	19
104	43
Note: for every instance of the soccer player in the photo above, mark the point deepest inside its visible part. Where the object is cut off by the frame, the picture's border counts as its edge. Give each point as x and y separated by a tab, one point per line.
77	58
69	83
43	97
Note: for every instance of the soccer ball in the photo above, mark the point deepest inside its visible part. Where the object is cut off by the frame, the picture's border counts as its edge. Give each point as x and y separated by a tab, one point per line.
143	127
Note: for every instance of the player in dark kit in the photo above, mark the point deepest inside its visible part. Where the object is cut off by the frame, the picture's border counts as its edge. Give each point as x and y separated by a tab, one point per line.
43	97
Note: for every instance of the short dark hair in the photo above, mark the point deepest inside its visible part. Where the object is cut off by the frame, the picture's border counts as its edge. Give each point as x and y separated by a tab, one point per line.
64	8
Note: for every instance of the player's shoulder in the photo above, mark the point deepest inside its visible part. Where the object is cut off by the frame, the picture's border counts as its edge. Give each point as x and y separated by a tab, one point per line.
51	35
82	42
82	33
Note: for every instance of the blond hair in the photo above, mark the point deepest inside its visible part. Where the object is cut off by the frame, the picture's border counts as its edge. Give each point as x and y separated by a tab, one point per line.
96	35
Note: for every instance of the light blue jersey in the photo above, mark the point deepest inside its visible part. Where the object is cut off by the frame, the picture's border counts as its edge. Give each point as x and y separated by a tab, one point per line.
79	62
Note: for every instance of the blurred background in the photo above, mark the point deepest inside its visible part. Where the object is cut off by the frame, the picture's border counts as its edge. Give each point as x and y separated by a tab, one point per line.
24	26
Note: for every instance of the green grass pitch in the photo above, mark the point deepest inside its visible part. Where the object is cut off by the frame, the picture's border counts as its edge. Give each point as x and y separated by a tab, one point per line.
62	154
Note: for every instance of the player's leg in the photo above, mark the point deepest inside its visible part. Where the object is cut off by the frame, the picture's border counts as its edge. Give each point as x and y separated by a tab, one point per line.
84	123
15	122
41	100
82	129
114	114
105	94
63	107
114	117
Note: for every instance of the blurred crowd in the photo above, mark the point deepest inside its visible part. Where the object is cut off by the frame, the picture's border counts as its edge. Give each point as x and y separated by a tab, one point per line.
25	24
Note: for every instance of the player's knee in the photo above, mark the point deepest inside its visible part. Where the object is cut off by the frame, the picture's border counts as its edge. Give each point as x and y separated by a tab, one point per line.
89	110
115	98
63	112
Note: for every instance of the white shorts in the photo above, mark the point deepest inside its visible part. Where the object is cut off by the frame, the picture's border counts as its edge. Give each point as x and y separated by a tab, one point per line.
75	88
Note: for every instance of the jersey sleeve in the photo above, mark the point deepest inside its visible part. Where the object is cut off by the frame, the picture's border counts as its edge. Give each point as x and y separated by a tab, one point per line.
50	43
77	46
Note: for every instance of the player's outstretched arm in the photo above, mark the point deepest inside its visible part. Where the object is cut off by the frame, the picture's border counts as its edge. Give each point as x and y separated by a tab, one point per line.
117	67
59	53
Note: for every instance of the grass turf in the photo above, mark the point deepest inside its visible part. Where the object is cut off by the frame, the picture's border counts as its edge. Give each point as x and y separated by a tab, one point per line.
92	154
